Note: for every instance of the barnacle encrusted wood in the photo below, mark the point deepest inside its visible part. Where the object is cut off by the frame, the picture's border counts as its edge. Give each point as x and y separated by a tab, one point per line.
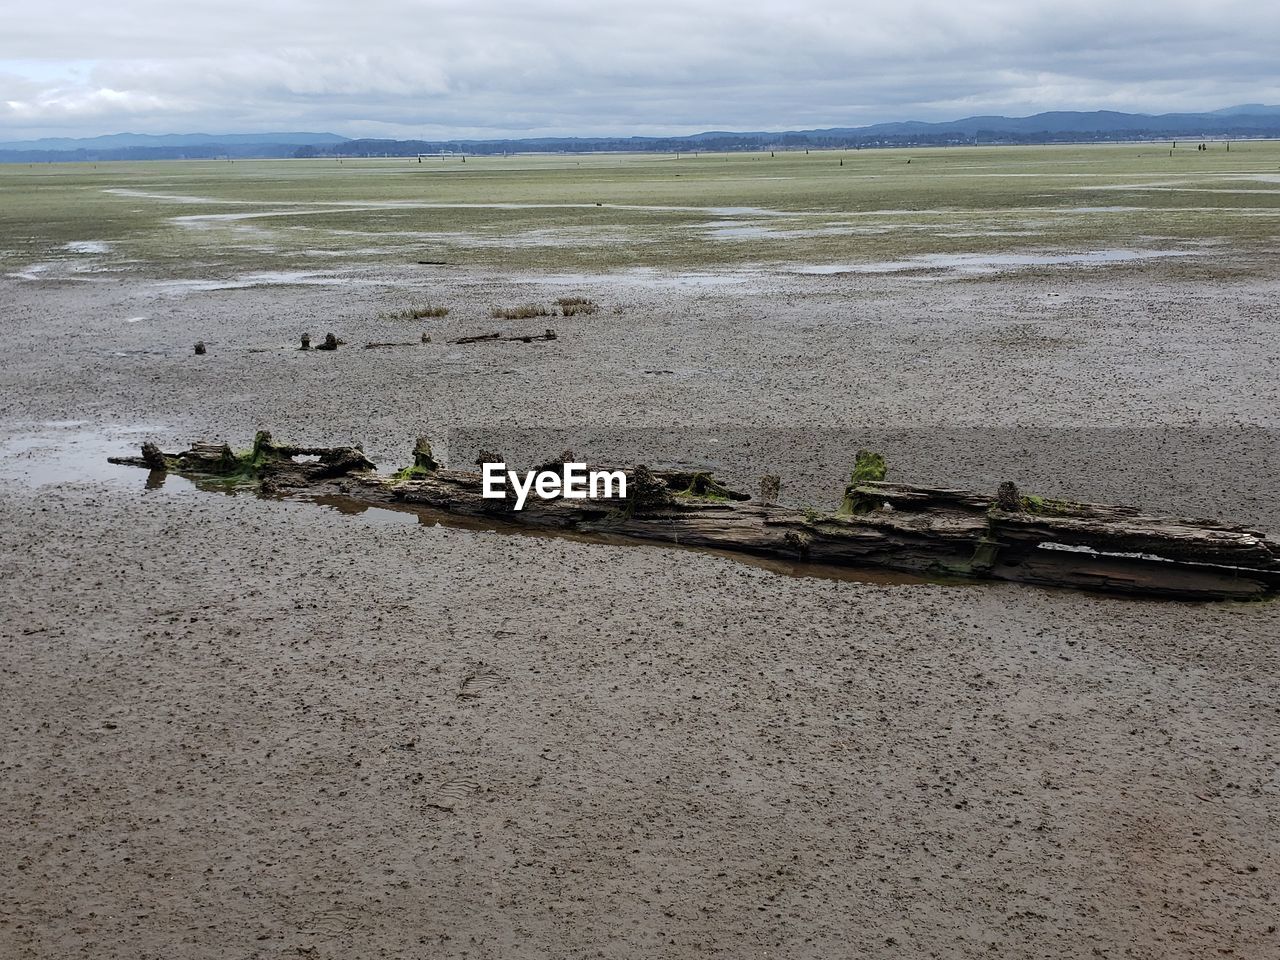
930	530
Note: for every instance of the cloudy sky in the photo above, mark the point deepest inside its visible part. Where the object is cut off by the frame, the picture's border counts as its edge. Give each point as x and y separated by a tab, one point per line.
491	68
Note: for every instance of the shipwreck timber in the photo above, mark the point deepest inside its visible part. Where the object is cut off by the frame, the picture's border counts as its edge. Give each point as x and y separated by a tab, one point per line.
923	530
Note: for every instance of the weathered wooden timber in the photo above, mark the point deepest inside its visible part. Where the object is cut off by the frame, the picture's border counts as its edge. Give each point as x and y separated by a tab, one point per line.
547	334
926	530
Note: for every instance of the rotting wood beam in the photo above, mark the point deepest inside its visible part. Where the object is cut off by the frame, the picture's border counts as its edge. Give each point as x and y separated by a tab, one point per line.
932	531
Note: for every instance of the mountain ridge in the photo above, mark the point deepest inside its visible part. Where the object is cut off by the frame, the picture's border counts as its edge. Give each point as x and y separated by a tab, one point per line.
124	140
1054	126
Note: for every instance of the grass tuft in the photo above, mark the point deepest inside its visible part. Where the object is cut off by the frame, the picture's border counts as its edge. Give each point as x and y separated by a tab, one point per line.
522	312
416	313
569	306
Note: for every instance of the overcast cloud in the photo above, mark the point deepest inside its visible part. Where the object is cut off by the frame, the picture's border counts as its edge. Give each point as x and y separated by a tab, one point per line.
531	67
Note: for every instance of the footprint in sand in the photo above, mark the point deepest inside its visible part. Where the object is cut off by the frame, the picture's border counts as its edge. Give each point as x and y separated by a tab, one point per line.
478	679
454	794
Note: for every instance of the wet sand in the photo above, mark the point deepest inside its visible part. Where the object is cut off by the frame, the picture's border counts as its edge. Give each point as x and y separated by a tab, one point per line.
237	727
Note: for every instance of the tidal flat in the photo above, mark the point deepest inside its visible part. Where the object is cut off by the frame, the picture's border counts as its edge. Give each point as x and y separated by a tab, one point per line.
240	726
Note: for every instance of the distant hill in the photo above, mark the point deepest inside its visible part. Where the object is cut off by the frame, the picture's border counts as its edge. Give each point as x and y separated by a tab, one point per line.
145	146
1252	120
1257	109
1096	124
116	141
1099	126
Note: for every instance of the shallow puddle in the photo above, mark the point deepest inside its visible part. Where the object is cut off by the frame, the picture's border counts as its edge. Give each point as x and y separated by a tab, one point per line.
57	452
284	208
264	278
994	262
731	230
166	197
57	271
649	277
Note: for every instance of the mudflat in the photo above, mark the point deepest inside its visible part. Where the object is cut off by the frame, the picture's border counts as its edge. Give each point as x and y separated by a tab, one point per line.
247	727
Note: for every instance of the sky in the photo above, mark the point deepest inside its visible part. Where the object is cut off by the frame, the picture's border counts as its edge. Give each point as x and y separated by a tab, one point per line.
441	69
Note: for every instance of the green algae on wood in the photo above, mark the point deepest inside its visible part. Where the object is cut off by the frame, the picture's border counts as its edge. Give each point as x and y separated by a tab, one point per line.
706	487
898	526
424	462
868	467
